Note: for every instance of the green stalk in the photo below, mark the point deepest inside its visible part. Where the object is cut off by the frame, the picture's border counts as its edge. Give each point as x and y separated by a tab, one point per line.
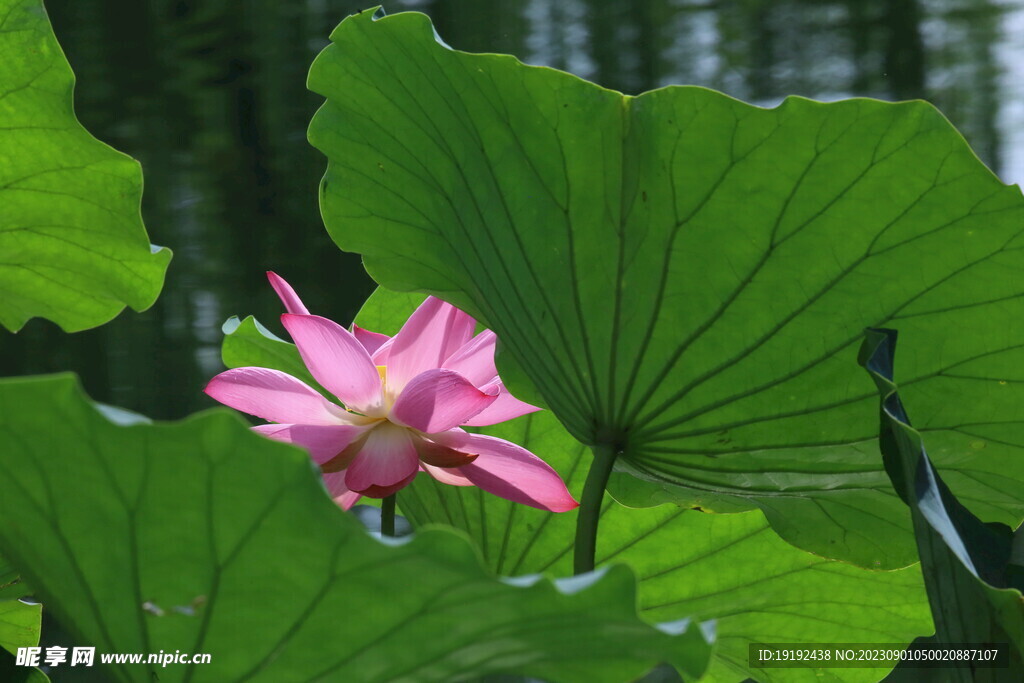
387	515
590	507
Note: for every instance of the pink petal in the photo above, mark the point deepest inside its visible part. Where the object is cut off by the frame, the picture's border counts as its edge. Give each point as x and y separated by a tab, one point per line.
292	302
385	491
273	395
432	333
345	457
446	475
509	471
380	356
436	455
438	400
387	458
322	442
371	341
474	360
338	361
341	494
505	407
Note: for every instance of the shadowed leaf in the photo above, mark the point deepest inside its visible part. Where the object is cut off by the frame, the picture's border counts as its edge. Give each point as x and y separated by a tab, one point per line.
973	577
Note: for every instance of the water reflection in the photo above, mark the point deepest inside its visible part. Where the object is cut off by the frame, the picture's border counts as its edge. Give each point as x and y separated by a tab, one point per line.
210	97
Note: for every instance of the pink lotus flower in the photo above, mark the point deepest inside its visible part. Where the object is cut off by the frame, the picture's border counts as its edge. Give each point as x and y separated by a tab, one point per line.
405	398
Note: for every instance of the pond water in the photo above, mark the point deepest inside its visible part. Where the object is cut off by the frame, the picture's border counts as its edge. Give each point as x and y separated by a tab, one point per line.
210	97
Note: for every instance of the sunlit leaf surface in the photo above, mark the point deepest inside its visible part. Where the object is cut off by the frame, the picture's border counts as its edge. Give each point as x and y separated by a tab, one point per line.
248	343
203	537
731	568
19	622
686	276
72	245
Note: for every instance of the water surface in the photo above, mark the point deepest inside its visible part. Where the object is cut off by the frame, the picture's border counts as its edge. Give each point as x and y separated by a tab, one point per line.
210	96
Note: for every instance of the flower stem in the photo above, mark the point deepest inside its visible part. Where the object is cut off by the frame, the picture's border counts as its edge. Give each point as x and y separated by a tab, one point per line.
590	507
387	515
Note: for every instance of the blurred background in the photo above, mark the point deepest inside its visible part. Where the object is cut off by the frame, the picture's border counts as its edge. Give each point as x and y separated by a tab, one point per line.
210	96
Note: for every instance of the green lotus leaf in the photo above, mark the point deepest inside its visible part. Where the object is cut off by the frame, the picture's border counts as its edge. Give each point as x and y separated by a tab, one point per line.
11	585
19	621
20	624
248	343
685	277
73	244
201	536
731	568
974	571
728	567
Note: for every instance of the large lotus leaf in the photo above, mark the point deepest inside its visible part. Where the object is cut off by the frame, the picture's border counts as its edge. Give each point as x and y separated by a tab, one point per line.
248	343
19	624
974	580
728	567
686	277
202	536
12	586
19	621
731	568
73	246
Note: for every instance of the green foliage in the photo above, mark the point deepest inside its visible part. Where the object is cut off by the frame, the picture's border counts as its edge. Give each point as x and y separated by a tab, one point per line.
686	277
19	621
730	568
202	536
678	275
20	624
248	343
973	576
75	250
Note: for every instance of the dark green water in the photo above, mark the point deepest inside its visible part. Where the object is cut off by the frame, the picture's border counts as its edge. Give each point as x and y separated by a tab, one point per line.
210	97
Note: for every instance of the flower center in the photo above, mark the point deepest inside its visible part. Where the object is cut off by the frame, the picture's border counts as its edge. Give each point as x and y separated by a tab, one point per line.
389	400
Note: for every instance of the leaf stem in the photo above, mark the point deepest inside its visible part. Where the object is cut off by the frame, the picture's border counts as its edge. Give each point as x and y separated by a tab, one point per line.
387	515
590	507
